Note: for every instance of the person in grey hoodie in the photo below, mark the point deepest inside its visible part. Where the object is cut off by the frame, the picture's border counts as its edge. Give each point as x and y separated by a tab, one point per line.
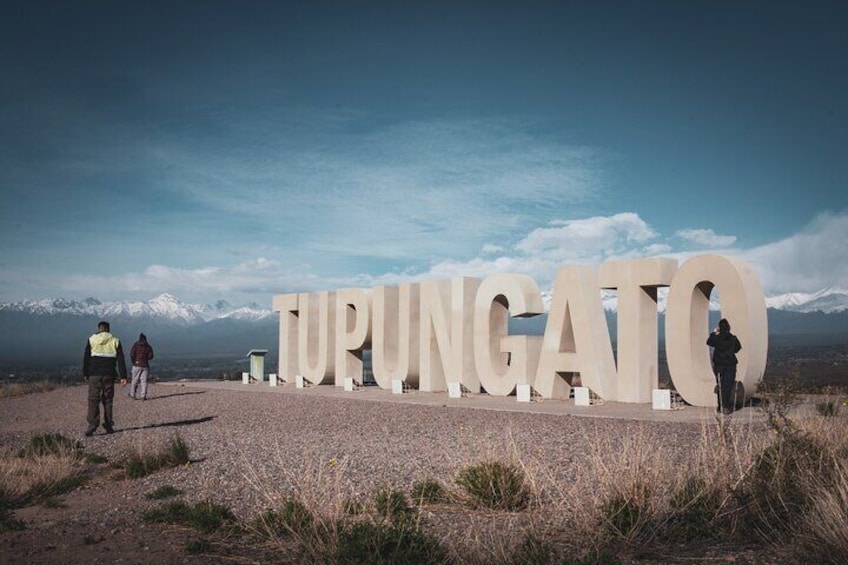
140	356
102	364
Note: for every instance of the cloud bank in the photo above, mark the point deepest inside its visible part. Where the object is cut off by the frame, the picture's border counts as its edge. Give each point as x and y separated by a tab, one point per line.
813	259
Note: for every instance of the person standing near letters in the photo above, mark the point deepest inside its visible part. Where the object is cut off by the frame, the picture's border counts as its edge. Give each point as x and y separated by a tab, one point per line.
140	356
726	346
102	364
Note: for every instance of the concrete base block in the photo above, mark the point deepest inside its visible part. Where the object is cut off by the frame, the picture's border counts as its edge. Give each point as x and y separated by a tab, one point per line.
661	399
454	390
245	378
351	385
666	399
300	381
397	386
272	379
523	393
582	397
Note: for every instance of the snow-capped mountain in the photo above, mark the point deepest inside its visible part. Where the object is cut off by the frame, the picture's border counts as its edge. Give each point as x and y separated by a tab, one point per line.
166	307
163	307
828	300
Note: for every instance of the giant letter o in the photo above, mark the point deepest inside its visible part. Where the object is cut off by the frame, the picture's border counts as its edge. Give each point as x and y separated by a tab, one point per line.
687	324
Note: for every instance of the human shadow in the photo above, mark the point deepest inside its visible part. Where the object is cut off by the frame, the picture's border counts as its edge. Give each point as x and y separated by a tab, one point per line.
175	394
177	423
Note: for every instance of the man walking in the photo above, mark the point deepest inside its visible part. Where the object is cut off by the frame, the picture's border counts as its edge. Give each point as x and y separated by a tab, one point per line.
102	364
140	356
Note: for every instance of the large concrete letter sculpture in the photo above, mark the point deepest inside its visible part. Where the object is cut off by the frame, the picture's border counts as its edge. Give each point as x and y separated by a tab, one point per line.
505	361
638	357
353	332
316	336
395	334
286	305
687	324
576	338
447	316
455	331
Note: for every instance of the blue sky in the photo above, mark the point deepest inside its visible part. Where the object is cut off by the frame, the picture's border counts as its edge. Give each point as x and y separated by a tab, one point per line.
243	149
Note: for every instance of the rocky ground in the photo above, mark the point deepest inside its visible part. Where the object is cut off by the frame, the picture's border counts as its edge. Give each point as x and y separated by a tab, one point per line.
249	448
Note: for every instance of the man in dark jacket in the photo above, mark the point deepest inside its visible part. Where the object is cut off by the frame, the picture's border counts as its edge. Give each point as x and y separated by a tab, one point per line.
102	364
140	356
725	347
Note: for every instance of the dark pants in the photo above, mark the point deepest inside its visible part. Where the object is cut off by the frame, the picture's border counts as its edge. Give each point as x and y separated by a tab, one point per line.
726	376
100	389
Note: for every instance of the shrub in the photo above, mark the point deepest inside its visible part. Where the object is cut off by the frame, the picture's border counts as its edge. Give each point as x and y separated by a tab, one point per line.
206	517
694	509
198	545
35	478
828	408
777	489
391	504
139	465
534	551
353	507
823	535
495	485
51	444
386	542
165	491
8	522
429	491
627	513
294	517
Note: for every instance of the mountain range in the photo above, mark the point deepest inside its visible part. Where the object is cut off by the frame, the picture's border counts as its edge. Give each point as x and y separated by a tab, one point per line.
163	307
51	331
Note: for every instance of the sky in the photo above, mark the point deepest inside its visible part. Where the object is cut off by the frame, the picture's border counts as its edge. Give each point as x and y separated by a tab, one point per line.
237	150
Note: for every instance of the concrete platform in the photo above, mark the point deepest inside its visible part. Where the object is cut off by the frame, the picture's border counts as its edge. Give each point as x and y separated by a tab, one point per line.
690	414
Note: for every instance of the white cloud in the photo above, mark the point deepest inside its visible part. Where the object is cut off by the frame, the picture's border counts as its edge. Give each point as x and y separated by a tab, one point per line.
411	190
588	240
814	259
811	260
247	280
706	237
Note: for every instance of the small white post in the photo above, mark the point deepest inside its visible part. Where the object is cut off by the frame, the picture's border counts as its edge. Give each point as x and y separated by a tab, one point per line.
272	379
245	378
582	396
661	399
523	393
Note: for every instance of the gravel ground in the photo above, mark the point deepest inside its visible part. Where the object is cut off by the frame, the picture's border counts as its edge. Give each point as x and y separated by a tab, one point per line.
250	447
276	437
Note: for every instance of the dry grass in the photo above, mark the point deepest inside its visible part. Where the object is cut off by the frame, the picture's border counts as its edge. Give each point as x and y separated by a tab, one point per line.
8	390
35	478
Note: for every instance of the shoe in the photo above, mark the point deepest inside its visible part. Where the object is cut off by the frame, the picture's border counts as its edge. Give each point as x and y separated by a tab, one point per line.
144	398
90	431
131	396
109	429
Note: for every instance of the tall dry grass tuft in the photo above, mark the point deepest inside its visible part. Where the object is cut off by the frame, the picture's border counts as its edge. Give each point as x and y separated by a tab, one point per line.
638	490
305	507
801	478
37	477
823	535
144	459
